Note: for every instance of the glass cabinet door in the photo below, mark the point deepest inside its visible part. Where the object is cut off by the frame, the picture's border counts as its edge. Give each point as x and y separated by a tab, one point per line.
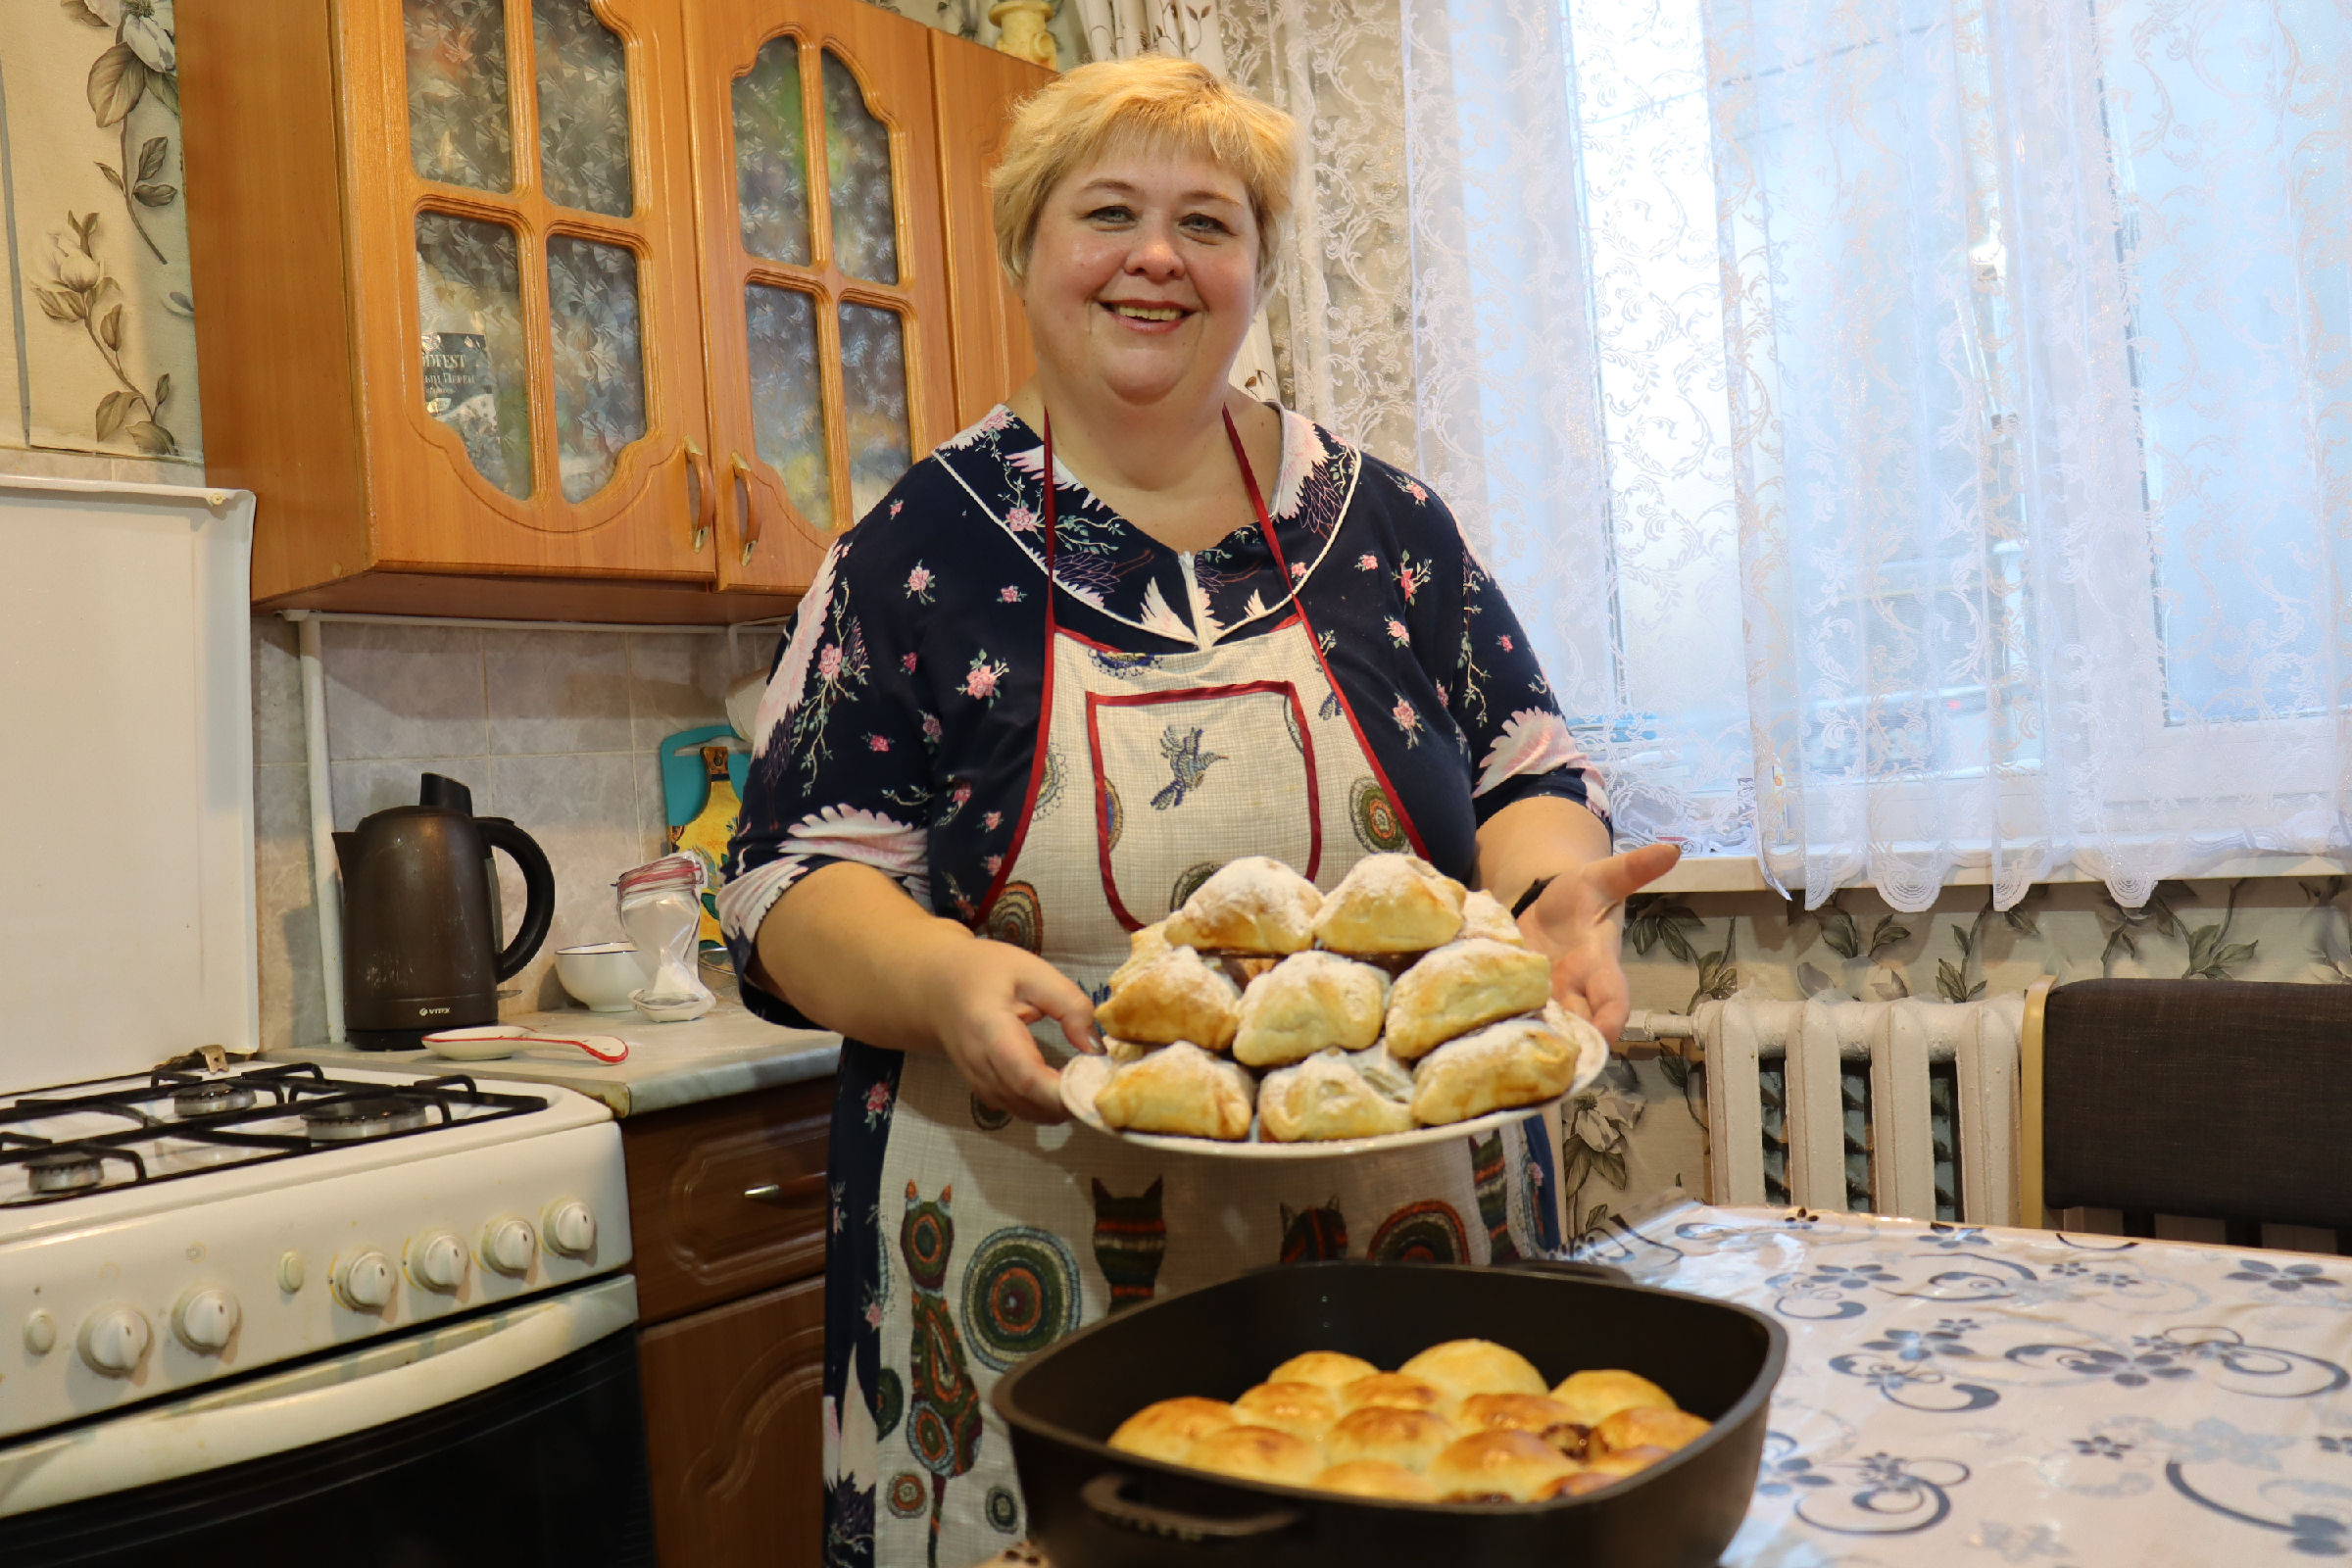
552	360
824	295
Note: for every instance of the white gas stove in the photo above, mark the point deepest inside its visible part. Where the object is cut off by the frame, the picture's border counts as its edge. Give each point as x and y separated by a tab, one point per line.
249	1311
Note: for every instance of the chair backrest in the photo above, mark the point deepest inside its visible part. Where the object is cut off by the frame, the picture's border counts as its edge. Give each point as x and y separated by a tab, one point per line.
2210	1098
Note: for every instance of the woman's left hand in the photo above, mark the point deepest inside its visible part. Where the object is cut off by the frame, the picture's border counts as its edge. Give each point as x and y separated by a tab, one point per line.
1577	922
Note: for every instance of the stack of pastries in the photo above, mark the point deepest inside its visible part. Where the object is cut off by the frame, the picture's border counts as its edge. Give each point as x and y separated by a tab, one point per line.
1466	1421
1398	1000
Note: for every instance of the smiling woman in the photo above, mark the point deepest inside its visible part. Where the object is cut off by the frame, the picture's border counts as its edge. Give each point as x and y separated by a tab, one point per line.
1130	626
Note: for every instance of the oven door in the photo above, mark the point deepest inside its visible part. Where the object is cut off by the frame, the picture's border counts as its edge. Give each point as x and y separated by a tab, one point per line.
515	1438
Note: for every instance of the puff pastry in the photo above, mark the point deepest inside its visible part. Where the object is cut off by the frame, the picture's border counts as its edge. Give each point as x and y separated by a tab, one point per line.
1174	995
1376	1477
1307	1003
1142	948
1181	1089
1592	1396
1259	1453
1326	1097
1519	1062
1460	987
1483	915
1302	1409
1461	1368
1409	1438
1331	1368
1391	904
1169	1429
1255	905
1507	1466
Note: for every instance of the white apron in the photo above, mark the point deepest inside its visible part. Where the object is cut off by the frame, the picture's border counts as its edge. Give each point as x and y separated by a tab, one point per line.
1152	771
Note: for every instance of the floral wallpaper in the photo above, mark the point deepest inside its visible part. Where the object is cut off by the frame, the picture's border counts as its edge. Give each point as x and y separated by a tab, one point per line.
102	347
1642	1127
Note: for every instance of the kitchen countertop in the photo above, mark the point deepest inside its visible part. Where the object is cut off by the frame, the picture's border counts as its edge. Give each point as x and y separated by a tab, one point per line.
725	1051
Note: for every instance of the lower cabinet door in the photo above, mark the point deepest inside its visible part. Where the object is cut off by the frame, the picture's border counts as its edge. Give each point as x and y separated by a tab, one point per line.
734	1418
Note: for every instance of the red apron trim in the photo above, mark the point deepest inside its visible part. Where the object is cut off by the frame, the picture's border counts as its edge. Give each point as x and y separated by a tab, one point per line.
1094	703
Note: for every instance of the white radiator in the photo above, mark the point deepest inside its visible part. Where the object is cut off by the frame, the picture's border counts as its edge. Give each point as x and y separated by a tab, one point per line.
1925	1128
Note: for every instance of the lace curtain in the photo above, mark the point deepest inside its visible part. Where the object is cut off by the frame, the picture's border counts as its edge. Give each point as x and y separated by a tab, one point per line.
1919	426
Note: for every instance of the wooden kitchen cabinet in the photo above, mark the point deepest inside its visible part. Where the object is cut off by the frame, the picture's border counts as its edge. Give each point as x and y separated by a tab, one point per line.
973	93
734	1412
571	308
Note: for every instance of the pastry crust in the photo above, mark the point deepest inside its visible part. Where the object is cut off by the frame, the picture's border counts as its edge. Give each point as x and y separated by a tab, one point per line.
1520	1061
1176	996
1483	915
1463	986
1326	1097
1169	1429
1514	1413
1376	1477
1510	1466
1592	1396
1331	1369
1181	1089
1259	1453
1143	947
1254	905
1460	1368
1307	1003
1391	904
1396	1391
1645	1426
1408	1437
1302	1409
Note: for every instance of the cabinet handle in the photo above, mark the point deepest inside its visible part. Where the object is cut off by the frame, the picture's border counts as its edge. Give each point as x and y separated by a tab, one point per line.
706	511
788	1195
741	470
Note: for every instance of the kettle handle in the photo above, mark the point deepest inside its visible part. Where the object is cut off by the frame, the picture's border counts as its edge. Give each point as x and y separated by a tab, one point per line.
539	887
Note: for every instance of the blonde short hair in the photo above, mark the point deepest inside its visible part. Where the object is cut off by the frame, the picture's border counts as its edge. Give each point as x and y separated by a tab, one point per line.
1161	102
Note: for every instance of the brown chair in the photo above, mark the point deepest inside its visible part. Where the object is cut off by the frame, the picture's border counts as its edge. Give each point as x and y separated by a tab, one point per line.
2205	1099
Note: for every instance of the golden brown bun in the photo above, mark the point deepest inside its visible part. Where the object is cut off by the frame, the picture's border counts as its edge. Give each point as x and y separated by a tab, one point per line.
1645	1426
1463	1367
1576	1484
1176	996
1326	1097
1169	1429
1628	1461
1181	1089
1376	1477
1142	948
1460	987
1409	1438
1391	904
1302	1409
1512	1465
1393	1390
1307	1003
1331	1368
1511	1412
1483	915
1592	1397
1519	1062
1259	1453
1255	905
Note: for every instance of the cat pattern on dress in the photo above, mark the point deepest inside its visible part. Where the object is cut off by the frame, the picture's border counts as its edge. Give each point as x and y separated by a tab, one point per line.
943	1408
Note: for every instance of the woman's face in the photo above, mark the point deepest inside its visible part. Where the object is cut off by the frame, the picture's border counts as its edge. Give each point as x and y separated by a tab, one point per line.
1143	277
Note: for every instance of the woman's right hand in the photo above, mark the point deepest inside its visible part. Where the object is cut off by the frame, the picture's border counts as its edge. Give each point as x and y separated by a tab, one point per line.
980	1001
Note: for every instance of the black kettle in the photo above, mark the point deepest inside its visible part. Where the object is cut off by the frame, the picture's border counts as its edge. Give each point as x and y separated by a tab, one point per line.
421	922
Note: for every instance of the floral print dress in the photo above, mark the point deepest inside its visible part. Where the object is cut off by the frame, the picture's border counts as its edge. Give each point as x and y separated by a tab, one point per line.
905	728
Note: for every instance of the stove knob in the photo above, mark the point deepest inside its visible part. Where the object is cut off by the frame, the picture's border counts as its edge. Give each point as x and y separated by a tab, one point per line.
508	1246
437	1262
570	1228
365	1280
114	1341
205	1319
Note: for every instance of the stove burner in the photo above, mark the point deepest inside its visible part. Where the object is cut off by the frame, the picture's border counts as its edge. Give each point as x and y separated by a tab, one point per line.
211	1098
67	1171
377	1116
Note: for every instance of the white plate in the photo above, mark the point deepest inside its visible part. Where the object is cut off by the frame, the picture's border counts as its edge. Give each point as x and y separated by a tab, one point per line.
1084	1077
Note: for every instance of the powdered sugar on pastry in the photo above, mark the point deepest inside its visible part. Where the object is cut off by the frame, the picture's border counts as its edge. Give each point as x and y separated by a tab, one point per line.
1391	904
1255	905
1182	1089
1305	1004
1520	1061
1176	996
1483	915
1460	987
1325	1097
1142	948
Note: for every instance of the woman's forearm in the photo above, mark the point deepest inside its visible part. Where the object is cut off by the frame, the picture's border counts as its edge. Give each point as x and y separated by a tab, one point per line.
850	949
1539	836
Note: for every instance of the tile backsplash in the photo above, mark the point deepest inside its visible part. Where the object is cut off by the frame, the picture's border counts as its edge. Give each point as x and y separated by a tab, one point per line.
556	729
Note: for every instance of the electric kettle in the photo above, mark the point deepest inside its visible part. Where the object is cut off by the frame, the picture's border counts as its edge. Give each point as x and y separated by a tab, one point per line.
420	922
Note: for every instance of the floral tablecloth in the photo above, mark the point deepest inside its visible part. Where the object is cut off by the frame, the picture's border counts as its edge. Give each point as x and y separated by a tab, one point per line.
1960	1394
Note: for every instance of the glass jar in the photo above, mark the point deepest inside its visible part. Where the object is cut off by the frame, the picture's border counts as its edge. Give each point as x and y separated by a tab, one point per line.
662	911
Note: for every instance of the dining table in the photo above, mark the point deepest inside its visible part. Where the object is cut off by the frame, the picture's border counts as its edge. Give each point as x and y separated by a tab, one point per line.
1980	1394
